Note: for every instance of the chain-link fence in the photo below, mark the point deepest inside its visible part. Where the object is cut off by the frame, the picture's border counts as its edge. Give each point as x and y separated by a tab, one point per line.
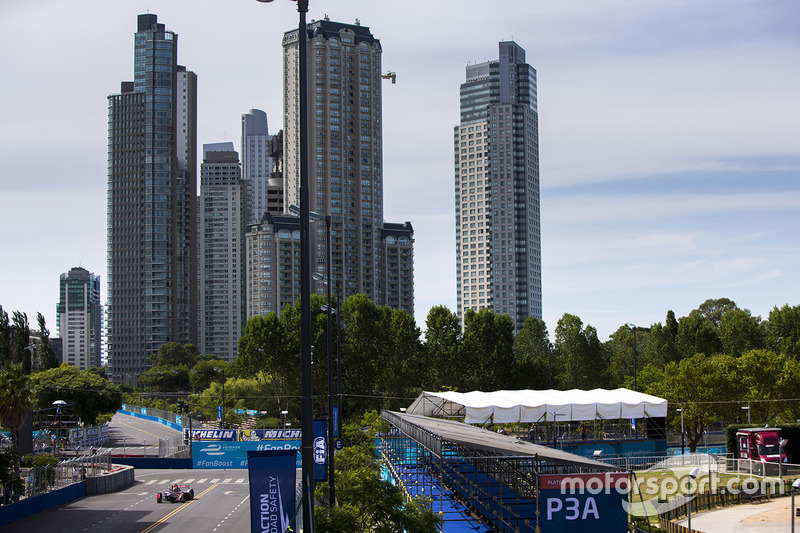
173	447
44	479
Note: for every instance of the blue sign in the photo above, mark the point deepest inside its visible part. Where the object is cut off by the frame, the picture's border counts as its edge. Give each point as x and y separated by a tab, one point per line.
272	490
575	503
336	421
233	454
320	450
219	412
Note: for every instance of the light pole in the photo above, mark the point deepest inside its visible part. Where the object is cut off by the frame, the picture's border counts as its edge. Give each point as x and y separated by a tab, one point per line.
692	476
307	386
633	328
339	304
328	309
283	419
680	410
222	418
795	487
747	408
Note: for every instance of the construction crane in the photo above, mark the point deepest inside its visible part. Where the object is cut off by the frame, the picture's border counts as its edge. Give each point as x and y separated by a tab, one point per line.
390	76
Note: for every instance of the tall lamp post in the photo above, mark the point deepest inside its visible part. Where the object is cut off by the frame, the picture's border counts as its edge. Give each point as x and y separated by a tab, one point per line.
327	281
692	475
747	408
795	487
339	304
307	386
222	415
680	410
633	328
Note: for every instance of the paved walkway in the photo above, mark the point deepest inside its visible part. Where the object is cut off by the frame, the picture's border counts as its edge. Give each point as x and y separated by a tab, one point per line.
768	517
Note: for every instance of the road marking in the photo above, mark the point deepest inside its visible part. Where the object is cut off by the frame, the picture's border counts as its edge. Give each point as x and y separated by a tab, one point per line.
150	482
202	480
228	480
215	480
169	515
189	481
240	480
229	514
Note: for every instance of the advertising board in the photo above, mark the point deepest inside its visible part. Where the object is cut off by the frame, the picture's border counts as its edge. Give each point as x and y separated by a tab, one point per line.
575	503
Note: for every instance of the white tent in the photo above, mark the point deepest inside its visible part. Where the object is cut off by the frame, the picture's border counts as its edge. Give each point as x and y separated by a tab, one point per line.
530	406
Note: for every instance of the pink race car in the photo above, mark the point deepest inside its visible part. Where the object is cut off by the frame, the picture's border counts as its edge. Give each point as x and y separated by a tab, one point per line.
176	493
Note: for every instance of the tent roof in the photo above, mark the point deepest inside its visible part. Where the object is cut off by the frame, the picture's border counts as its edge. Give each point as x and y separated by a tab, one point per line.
481	439
530	406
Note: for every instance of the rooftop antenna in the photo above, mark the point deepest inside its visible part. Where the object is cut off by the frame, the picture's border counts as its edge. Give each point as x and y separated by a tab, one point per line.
358	22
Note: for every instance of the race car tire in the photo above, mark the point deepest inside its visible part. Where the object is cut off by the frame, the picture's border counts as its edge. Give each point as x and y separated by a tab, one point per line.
158	498
191	494
182	498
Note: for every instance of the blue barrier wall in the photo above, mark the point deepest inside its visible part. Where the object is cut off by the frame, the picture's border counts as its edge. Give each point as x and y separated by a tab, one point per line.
153	419
30	506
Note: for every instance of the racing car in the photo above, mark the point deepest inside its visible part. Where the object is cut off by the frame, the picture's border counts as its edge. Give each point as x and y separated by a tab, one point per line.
176	493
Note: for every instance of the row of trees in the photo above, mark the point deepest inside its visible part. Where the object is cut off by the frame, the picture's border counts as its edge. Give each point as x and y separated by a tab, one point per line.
16	345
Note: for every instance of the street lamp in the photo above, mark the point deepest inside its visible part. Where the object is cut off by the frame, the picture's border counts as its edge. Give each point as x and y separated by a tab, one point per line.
692	476
795	488
307	387
633	328
680	410
222	417
747	408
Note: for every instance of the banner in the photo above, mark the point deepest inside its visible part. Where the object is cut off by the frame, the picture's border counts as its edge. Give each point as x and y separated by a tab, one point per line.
269	434
233	454
320	450
584	502
213	434
272	490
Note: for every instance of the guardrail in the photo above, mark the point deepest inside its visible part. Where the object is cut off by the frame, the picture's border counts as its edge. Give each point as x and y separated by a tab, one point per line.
44	479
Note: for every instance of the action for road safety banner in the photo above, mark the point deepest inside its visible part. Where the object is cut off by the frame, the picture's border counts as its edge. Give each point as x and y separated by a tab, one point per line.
272	490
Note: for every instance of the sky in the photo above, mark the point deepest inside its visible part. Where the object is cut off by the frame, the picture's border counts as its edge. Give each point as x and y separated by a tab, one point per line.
669	137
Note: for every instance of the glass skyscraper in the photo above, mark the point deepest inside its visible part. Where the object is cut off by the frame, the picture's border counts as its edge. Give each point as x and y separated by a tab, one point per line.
496	150
152	196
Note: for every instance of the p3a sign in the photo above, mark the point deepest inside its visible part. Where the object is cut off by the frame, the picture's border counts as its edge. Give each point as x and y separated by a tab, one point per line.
583	502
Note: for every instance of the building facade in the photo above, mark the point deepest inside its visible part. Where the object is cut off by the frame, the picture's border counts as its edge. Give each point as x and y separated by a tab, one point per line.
223	210
265	187
79	317
152	196
345	155
496	149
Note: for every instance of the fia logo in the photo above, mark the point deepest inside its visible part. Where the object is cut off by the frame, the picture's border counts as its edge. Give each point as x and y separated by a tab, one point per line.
319	450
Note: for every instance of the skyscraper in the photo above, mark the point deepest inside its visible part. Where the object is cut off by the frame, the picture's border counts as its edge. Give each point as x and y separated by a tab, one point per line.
265	187
152	195
79	317
498	231
345	156
222	223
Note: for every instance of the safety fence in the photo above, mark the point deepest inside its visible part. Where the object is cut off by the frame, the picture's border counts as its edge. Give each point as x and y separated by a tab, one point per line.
174	447
44	479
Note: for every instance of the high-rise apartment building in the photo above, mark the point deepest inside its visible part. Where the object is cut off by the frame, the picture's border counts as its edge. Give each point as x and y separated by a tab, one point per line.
345	157
222	223
264	185
152	195
79	318
498	244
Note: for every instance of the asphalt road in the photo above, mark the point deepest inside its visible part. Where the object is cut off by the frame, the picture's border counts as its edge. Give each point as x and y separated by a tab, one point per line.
222	503
135	436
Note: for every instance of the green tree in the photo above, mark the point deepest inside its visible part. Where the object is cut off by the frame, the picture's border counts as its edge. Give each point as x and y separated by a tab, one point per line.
714	309
365	338
662	342
696	334
740	332
767	376
265	352
402	366
5	337
442	344
90	394
783	330
21	333
582	359
364	501
706	387
47	359
165	378
622	359
532	356
174	354
205	371
15	399
487	351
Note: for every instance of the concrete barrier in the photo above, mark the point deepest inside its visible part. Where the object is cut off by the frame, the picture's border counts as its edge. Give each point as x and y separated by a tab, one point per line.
118	478
30	506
